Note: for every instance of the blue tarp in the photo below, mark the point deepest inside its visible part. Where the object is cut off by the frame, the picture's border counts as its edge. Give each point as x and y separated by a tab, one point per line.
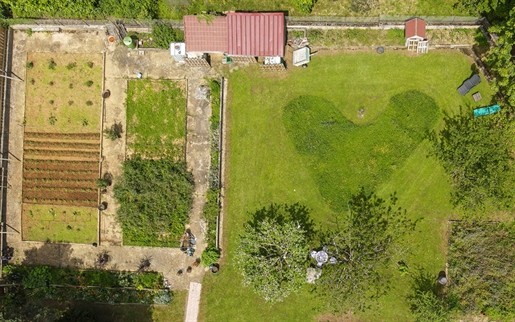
482	111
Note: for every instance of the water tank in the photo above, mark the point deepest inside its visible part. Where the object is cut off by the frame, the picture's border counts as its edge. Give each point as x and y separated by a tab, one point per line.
129	42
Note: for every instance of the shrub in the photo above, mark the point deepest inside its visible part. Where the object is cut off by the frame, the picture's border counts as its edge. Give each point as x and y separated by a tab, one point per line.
70	86
51	83
140	194
164	34
51	102
71	66
114	132
102	183
52	119
70	103
89	103
304	6
30	65
32	81
210	256
52	64
90	64
38	276
89	83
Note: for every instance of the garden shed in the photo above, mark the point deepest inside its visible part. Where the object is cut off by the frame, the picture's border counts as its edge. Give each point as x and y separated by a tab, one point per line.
415	34
237	34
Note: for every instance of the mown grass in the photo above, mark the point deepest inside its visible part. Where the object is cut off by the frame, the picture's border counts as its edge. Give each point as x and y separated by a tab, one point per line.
64	224
265	166
156	118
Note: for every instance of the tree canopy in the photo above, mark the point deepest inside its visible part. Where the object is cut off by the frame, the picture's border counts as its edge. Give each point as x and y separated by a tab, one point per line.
477	155
363	241
273	250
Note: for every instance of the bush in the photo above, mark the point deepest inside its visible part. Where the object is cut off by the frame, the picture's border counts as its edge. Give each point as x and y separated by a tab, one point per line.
160	191
164	34
38	276
30	65
114	132
71	66
210	256
89	103
89	83
304	6
52	64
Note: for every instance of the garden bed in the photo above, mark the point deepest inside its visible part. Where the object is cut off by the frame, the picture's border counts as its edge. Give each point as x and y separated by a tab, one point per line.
61	151
156	119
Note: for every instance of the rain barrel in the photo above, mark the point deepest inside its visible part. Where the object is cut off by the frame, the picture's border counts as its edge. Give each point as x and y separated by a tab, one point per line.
129	42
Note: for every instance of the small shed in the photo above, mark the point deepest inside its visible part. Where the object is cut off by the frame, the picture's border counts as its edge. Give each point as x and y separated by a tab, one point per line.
415	34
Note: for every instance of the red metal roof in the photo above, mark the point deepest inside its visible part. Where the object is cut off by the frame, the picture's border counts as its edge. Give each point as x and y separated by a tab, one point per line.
256	34
415	28
205	37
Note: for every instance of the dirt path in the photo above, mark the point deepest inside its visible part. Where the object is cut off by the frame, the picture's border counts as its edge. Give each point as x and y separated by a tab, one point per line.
120	65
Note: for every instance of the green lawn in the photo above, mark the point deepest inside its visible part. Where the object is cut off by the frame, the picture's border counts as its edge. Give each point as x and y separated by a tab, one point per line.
267	164
156	118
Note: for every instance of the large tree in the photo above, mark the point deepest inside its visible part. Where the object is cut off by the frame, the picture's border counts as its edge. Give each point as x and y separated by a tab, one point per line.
501	59
364	241
477	155
273	250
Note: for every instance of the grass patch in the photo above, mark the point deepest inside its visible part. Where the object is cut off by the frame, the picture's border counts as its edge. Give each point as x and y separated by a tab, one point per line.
156	118
59	224
371	152
52	85
341	38
266	166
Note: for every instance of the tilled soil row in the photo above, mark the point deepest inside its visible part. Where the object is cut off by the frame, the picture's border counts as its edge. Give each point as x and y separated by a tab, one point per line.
60	165
61	202
61	174
49	197
61	153
62	136
51	182
59	189
61	145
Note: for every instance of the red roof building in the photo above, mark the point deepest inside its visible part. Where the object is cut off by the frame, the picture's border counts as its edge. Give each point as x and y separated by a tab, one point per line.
204	37
256	34
237	34
415	28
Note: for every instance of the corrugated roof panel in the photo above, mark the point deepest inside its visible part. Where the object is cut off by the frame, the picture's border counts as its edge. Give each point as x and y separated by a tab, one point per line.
205	37
255	34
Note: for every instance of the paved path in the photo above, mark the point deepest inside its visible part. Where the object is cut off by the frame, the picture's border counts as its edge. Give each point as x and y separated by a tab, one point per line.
120	64
192	306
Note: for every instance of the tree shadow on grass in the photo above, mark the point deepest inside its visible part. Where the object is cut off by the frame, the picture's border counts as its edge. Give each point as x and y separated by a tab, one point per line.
282	213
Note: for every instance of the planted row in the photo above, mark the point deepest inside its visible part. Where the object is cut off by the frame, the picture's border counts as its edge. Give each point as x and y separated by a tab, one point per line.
61	144
54	135
59	189
62	153
57	201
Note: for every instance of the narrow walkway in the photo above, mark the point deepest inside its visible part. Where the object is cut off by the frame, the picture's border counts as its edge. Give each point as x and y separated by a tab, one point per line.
192	306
